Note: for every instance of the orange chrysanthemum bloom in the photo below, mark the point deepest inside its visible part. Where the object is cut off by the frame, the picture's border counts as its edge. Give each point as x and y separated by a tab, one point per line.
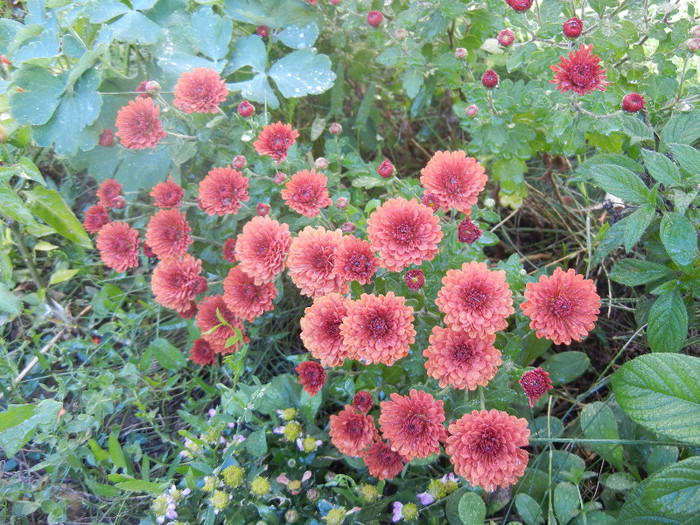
168	234
109	193
475	300
378	329
244	298
484	448
351	431
167	194
138	126
306	192
118	244
200	91
413	424
202	353
207	319
455	179
460	360
355	260
320	329
383	463
95	217
222	191
262	247
581	73
403	232
176	282
311	262
275	140
312	377
562	307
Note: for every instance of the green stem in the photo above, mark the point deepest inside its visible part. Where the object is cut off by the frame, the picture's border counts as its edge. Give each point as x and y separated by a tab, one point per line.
19	240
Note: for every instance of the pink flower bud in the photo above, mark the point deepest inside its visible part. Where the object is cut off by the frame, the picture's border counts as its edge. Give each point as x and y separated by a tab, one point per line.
472	111
460	52
341	203
321	163
348	227
262	209
336	128
240	162
280	177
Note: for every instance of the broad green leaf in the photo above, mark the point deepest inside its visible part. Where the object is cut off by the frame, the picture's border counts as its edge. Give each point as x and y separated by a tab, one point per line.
389	57
10	304
43	45
272	13
675	490
661	392
257	89
598	422
301	73
621	182
566	366
309	405
101	11
668	323
60	276
635	129
51	208
8	33
635	272
256	444
688	158
27	169
298	37
19	423
471	509
566	502
13	207
250	51
635	512
660	167
529	510
134	28
116	452
636	224
367	182
679	238
137	485
682	128
166	354
412	82
210	33
40	96
618	481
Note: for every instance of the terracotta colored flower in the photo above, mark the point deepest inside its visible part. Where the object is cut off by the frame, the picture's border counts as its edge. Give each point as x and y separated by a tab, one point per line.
572	28
351	432
378	329
213	330
484	448
222	191
311	262
275	140
147	250
229	250
520	5
468	232
363	401
168	233
460	360
188	310
562	307
202	353
414	279
109	191
106	138
167	194
312	376
246	109
383	463
581	73
455	179
320	329
404	232
244	298
535	383
355	260
475	299
306	192
413	424
138	126
118	244
262	247
633	102
95	217
177	281
200	90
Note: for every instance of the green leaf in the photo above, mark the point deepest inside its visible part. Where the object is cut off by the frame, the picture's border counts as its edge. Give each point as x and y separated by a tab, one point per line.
250	51
116	452
564	367
256	444
529	510
688	158
679	238
636	224
389	57
518	55
621	182
19	423
27	169
39	97
301	73
682	128
412	81
51	208
60	276
166	354
13	207
257	89
134	28
10	304
367	182
566	502
137	485
661	392
635	129
660	167
675	490
635	272
668	323
635	512
598	422
618	481
210	33
298	37
471	509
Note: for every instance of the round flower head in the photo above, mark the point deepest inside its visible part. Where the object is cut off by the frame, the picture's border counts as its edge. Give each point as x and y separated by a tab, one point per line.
306	192
118	244
403	232
351	432
138	126
222	191
246	109
262	247
213	330
413	424
147	88
96	217
355	260
200	91
176	282
262	208
520	5
347	227
572	28
312	376
431	201
202	353
229	250
363	401
535	383
378	329
383	463
275	140
147	251
484	448
455	179
320	329
167	194
489	79
581	73
460	360
168	233
472	110
187	311
335	128
506	38
374	18
109	192
106	138
633	102
475	300
311	261
562	307
244	298
386	169
262	31
468	232
414	279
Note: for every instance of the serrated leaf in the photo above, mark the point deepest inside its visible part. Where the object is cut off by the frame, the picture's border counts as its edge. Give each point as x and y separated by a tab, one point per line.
598	422
635	272
412	81
257	89
389	57
621	182
10	304
635	512
566	366
668	323
518	55
675	490
636	224
134	28
50	207
301	73
618	481
169	356
679	237
39	97
635	129
688	158
660	167
367	182
682	128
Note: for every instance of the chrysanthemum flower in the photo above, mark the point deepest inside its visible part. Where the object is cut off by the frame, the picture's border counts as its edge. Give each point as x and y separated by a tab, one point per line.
306	192
188	310
207	319
138	126
580	73
363	401
147	250
118	244
355	260
229	250
95	217
167	194
484	448
431	201
311	262
200	91
312	376
460	360
222	191
475	300
414	279
562	307
378	329
320	329
455	179
413	424
275	140
535	383
177	281
351	431
168	233
383	463
244	298
262	247
520	5
404	232
109	192
202	352
633	102
468	232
